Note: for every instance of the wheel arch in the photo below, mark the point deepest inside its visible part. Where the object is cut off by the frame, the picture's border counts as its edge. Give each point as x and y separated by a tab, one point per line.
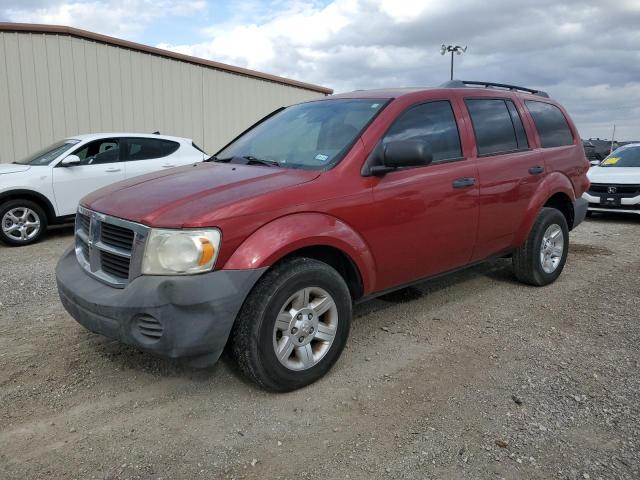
33	196
314	235
555	191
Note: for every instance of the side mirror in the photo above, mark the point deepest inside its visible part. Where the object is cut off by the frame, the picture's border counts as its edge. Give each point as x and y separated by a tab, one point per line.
70	161
595	163
390	156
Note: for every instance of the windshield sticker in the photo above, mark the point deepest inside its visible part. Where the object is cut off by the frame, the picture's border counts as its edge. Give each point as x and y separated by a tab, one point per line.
321	157
611	161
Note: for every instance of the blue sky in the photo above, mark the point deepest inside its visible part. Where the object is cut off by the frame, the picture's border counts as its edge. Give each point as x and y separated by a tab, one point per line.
586	53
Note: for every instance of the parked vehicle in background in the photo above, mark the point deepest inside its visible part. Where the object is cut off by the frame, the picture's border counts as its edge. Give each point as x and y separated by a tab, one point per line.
591	153
615	183
320	205
45	187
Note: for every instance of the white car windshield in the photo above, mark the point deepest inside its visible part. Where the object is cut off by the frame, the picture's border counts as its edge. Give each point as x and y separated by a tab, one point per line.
623	157
48	154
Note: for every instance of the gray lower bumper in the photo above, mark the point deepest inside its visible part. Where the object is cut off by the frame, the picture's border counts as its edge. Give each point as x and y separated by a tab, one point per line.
176	316
579	211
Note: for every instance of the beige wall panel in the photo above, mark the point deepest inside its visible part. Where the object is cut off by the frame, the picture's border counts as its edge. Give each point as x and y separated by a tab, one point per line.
6	127
54	86
52	43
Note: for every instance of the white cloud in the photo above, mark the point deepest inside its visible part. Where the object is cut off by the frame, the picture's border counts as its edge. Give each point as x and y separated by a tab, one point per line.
112	17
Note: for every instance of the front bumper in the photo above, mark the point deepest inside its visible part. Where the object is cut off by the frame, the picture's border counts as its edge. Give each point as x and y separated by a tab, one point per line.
579	211
627	204
173	316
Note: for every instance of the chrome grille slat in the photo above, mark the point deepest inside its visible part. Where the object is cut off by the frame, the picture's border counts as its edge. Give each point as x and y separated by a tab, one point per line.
109	248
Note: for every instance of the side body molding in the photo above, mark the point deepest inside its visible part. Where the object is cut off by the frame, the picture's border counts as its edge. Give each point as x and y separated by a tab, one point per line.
293	232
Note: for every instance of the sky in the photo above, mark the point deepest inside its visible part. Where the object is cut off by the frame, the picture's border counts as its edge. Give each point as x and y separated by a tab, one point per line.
586	54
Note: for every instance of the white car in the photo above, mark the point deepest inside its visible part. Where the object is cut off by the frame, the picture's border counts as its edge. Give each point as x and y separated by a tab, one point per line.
615	183
45	187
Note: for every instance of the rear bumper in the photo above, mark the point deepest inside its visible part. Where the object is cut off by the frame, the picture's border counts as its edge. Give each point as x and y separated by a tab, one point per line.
173	316
579	211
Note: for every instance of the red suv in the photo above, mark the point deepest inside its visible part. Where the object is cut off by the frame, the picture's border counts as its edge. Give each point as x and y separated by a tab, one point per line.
264	248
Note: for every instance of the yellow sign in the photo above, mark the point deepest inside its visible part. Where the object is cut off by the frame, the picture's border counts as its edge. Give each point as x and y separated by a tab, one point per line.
611	161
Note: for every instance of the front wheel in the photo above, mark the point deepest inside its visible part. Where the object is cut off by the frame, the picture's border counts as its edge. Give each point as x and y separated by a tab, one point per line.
541	259
23	222
293	326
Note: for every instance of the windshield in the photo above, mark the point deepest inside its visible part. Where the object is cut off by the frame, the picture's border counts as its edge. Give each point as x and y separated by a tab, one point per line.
623	157
311	135
48	154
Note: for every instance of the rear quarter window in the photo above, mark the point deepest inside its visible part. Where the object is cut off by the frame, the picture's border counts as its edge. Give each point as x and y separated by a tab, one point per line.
551	124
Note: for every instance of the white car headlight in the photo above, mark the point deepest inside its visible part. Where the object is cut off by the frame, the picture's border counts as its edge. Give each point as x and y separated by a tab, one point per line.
180	252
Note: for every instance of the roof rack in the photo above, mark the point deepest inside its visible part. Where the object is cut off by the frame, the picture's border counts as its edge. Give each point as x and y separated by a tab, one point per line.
466	83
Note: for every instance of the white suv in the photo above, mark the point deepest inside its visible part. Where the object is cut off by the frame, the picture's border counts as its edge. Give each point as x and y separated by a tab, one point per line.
615	183
45	187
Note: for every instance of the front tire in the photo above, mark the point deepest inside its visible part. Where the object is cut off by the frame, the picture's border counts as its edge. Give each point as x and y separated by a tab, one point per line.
293	325
22	222
541	259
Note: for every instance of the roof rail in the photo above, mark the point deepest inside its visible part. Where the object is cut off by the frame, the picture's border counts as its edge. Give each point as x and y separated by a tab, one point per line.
466	83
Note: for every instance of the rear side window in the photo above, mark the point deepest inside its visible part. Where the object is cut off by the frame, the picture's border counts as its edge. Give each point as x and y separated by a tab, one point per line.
497	126
432	122
552	127
149	148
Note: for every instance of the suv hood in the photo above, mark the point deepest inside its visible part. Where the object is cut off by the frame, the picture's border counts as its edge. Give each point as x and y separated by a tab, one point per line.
619	175
183	196
13	168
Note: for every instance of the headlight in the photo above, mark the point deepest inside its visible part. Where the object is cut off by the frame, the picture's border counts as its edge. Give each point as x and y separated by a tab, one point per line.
180	252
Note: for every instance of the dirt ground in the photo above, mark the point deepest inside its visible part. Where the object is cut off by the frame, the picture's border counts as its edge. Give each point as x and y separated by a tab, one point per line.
470	376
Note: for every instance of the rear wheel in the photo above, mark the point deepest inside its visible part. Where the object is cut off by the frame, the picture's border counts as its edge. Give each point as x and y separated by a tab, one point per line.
22	222
542	257
293	326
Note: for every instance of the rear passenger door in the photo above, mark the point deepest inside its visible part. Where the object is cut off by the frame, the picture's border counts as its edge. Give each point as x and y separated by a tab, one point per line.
144	155
427	215
509	171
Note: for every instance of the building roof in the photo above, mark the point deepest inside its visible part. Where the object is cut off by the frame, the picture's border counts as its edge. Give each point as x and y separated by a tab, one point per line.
79	33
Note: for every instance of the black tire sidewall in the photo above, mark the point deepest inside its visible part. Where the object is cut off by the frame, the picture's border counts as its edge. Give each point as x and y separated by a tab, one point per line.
11	204
549	217
282	378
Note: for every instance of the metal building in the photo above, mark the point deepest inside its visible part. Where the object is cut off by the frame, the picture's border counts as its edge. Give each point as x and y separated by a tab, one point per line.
58	81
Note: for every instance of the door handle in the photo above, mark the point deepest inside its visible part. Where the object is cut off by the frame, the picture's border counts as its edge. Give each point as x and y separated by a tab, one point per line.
464	182
168	165
111	170
536	170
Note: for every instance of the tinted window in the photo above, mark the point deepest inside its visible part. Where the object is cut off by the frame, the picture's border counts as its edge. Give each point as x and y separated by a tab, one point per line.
99	152
148	148
432	122
310	135
493	126
551	124
521	135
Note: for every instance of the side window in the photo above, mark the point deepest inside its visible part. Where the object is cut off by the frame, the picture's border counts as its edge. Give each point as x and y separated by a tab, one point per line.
521	135
432	122
99	152
494	126
550	123
149	148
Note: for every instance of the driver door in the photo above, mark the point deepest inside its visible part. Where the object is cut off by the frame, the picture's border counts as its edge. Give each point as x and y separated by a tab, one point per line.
99	166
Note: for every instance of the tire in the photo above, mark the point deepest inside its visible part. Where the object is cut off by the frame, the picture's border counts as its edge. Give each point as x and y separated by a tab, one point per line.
22	222
255	337
589	214
528	264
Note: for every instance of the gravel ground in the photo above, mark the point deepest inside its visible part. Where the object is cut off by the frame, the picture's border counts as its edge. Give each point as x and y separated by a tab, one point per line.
471	376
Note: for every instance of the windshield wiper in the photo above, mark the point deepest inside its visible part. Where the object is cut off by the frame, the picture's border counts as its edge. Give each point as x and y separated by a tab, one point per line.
261	161
245	160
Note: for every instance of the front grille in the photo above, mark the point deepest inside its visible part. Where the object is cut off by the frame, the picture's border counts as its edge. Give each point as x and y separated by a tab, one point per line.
117	236
115	264
109	248
624	191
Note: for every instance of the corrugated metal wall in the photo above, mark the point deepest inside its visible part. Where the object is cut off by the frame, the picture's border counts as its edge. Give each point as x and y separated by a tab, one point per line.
54	86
